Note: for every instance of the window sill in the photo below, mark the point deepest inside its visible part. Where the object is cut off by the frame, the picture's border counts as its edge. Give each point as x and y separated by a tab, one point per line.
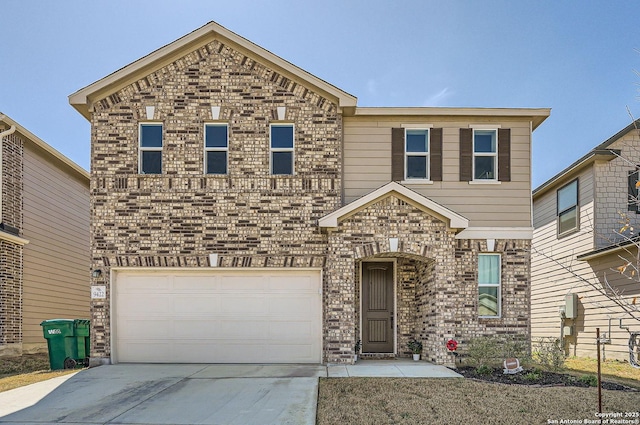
416	181
485	182
489	317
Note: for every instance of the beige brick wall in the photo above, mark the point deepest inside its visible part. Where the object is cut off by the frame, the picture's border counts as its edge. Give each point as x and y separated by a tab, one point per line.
248	217
11	279
437	292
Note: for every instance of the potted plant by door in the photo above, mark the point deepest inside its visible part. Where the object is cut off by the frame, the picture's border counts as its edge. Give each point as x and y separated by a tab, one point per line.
416	348
357	350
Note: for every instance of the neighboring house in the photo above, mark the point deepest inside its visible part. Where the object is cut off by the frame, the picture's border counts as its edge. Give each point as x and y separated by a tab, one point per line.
244	210
577	248
44	238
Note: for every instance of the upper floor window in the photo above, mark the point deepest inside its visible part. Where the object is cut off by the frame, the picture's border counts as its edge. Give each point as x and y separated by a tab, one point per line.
568	208
150	152
485	154
417	154
489	280
281	146
216	148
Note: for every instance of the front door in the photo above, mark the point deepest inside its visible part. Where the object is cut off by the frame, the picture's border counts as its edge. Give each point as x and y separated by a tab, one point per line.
377	307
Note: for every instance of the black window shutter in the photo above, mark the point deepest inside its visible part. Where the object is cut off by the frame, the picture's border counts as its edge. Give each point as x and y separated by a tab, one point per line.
466	155
397	154
633	191
504	154
435	144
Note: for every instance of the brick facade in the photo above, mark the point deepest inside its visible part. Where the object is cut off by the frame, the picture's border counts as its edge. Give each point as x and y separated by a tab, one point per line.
436	281
253	219
249	217
11	254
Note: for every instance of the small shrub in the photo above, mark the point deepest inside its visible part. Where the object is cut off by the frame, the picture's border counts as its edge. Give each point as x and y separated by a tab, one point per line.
534	375
484	370
549	352
415	346
482	351
492	350
590	380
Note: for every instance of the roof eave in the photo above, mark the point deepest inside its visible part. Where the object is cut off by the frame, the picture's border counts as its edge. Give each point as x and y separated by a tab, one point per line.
575	168
44	146
536	115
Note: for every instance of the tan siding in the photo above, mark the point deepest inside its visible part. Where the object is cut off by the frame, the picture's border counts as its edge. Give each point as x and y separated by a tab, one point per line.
552	278
56	260
367	166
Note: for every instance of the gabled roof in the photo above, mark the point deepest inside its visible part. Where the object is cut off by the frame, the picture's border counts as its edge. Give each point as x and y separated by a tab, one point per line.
455	220
43	147
600	152
83	98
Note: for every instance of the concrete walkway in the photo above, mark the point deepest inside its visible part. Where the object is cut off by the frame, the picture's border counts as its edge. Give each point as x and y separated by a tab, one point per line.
398	368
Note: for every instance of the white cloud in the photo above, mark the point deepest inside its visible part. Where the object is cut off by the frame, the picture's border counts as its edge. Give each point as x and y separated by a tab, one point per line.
437	98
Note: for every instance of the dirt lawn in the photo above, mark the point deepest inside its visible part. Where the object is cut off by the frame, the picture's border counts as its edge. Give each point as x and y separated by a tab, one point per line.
24	370
369	401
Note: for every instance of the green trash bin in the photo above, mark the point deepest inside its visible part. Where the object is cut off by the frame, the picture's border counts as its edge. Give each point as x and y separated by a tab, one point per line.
67	341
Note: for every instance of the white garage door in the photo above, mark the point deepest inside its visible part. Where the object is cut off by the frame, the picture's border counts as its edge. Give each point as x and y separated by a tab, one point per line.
221	316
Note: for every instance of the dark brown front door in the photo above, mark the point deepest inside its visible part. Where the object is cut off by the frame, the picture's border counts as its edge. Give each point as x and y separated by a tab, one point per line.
377	307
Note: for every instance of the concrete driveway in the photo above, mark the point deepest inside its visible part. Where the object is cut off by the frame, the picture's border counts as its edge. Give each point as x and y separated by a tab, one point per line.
170	394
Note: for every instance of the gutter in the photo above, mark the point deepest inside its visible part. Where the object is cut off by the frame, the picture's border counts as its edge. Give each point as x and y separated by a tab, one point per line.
2	136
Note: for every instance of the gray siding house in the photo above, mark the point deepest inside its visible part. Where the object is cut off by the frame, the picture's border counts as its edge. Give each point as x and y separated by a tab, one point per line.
44	238
244	210
578	248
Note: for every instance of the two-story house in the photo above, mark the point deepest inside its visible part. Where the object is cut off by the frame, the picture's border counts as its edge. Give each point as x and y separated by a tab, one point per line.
583	254
244	210
44	238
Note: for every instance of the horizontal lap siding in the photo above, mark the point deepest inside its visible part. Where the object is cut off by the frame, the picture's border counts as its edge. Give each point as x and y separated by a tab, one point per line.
367	166
551	283
56	260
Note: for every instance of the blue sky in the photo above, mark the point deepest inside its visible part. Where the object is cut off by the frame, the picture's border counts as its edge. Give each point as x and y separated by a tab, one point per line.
577	57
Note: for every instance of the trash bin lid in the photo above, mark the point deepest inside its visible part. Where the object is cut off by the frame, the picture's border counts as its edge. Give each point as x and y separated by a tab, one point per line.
56	321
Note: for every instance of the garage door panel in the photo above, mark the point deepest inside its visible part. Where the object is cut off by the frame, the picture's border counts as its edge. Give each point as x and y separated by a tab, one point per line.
251	305
292	306
218	317
293	283
186	305
194	284
144	304
147	284
242	283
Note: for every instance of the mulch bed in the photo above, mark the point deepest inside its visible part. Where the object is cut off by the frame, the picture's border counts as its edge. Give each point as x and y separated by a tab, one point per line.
535	377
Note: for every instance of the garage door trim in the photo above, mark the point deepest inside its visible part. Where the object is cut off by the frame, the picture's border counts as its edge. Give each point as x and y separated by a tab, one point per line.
116	271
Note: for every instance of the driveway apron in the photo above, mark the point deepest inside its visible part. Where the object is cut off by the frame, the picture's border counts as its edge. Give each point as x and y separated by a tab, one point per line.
172	394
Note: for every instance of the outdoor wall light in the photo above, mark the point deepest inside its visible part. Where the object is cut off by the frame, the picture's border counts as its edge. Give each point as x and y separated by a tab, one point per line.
96	273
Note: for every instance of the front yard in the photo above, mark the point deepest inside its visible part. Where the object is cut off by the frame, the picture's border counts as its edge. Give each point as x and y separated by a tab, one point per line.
461	401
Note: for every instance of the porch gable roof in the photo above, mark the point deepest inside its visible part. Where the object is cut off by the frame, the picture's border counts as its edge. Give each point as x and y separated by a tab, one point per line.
455	220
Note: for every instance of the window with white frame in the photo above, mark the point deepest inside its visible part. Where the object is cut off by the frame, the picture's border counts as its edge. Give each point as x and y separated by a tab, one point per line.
568	208
150	151
216	148
281	146
485	154
489	296
416	152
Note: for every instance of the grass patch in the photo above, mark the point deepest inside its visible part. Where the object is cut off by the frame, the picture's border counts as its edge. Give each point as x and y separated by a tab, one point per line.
25	370
611	370
422	401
